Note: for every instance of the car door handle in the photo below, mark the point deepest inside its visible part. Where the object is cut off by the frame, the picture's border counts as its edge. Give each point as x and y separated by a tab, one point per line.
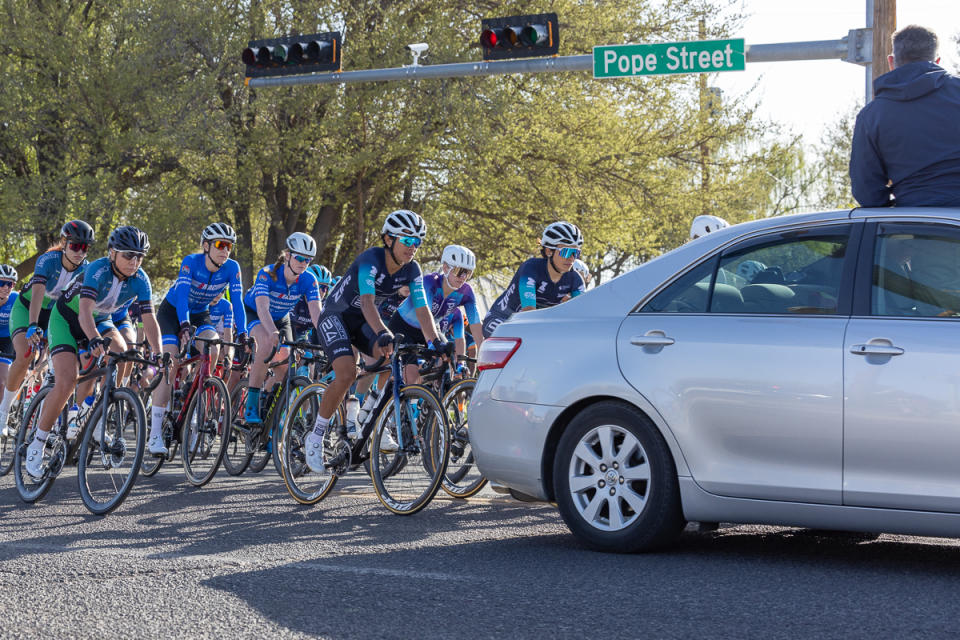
875	350
652	339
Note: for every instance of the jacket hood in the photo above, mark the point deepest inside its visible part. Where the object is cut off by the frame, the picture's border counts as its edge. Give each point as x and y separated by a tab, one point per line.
910	81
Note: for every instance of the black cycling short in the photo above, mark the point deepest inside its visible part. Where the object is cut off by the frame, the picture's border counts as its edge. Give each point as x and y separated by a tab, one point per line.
170	323
340	333
411	335
282	325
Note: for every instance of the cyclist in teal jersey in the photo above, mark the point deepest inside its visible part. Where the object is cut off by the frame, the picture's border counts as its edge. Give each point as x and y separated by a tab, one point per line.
30	315
80	317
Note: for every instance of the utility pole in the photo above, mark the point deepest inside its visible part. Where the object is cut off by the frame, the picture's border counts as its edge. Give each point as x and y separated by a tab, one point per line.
704	119
882	18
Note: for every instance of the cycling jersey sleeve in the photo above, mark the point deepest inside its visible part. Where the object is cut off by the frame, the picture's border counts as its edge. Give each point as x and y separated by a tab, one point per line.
469	304
456	324
144	292
236	293
308	284
89	287
418	295
229	318
579	287
45	269
181	291
261	288
527	284
367	279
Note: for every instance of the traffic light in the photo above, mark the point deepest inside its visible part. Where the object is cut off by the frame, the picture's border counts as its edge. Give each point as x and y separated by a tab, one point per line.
293	55
520	36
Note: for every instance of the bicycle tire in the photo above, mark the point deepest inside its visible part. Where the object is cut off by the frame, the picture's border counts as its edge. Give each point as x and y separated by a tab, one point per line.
296	475
423	457
210	446
297	385
8	444
96	457
28	490
236	453
463	479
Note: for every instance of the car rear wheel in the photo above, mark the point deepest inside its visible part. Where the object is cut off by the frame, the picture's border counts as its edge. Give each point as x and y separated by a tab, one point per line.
615	481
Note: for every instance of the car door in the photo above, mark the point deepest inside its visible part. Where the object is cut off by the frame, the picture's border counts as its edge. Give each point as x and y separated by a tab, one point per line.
902	370
741	356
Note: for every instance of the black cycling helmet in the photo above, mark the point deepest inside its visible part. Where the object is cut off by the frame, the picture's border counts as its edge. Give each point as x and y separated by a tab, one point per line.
77	231
129	238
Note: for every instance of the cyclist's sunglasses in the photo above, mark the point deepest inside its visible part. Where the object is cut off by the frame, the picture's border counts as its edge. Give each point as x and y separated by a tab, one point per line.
79	247
130	255
223	244
302	259
409	241
568	252
462	272
6	283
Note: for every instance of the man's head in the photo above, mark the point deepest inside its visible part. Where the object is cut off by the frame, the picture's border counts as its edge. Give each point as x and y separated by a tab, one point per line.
913	43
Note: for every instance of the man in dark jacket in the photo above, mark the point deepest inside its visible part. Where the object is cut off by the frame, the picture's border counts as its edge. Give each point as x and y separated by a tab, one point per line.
906	142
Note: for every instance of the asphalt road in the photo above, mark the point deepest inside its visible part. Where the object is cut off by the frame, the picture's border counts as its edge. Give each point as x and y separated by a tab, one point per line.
239	559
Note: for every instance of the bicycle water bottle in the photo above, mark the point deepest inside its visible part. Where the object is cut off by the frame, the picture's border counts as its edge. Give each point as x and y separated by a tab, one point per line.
368	404
353	412
85	408
72	428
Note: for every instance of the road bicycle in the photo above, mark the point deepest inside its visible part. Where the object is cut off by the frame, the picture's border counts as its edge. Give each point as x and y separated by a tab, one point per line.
109	445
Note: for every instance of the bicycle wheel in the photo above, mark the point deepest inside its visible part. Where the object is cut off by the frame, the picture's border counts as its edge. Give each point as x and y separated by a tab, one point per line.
421	460
208	417
462	478
297	385
8	444
108	469
32	489
303	485
236	453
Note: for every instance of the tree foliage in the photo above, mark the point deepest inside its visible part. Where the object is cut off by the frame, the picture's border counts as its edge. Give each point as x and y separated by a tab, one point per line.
136	112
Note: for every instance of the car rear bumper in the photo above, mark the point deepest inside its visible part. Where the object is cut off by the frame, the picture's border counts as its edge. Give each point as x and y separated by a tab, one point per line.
508	440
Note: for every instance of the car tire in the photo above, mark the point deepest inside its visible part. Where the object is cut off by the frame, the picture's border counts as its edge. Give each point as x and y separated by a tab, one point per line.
615	481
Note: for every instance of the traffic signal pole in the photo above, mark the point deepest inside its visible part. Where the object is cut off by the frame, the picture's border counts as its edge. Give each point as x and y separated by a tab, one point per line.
855	47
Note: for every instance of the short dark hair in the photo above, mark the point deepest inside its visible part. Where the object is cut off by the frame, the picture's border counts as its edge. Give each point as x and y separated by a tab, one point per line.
914	43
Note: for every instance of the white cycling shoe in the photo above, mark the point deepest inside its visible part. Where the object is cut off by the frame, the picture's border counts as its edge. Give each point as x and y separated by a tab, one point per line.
313	445
387	443
34	464
155	447
5	430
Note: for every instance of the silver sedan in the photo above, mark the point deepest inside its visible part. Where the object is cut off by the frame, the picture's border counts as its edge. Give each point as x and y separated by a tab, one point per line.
800	370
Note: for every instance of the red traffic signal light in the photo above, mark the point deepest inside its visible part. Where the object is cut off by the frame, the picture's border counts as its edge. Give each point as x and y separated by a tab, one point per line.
293	55
520	36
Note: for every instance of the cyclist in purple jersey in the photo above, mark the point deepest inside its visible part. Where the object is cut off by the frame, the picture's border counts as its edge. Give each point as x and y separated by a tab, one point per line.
8	278
274	293
446	291
541	282
351	319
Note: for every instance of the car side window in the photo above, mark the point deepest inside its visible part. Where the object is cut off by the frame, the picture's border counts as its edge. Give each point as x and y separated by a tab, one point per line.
797	272
916	271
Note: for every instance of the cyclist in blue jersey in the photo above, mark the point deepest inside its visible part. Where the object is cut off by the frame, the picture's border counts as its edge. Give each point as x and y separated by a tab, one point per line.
29	317
541	282
446	291
301	322
274	293
350	317
185	312
108	285
8	278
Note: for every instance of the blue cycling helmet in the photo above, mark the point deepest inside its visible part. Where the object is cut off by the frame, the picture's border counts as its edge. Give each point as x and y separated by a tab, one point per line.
323	275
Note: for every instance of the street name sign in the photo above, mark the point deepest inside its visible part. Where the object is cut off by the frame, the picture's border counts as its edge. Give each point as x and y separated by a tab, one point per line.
698	56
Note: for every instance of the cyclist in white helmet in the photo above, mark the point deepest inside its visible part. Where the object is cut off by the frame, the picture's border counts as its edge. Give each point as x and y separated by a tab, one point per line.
581	267
542	282
275	291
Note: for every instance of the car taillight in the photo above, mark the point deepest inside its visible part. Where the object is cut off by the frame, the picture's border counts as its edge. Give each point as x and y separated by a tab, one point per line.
495	353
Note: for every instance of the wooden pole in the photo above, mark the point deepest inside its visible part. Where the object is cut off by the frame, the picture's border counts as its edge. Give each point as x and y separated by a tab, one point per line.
884	24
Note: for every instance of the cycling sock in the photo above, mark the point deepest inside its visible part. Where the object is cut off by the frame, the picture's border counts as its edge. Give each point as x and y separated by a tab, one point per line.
320	426
41	435
252	408
5	403
156	421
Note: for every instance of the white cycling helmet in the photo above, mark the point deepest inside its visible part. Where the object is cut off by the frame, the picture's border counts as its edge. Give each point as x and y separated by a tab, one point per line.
581	267
218	231
748	269
7	272
561	233
404	222
458	256
299	242
702	225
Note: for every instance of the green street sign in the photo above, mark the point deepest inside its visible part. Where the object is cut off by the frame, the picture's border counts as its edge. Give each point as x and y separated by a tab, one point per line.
698	56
